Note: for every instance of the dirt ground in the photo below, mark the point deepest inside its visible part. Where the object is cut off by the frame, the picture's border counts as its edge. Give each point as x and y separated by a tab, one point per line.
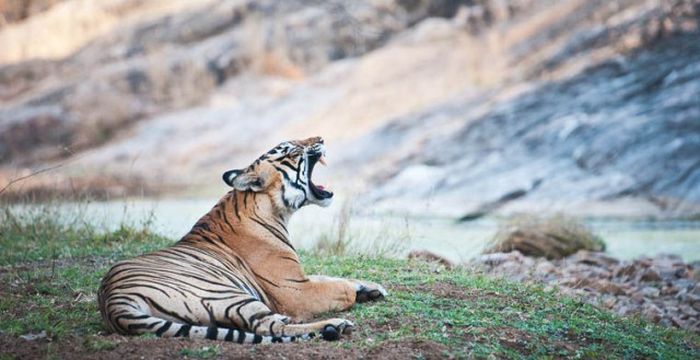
117	347
139	348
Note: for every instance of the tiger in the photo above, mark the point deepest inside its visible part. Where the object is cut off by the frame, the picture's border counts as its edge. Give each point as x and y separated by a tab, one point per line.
236	276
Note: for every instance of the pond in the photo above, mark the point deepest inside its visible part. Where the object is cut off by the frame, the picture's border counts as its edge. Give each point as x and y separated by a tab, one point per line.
396	235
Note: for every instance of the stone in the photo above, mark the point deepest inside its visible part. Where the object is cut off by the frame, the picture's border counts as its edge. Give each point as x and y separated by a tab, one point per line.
669	290
496	259
623	288
695	274
675	320
696	289
610	302
650	275
651	312
681	273
625	270
427	256
688	310
622	310
645	262
34	336
594	258
684	284
607	287
650	292
545	269
692	298
637	297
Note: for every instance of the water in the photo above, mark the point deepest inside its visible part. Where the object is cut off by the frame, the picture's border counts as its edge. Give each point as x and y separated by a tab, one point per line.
458	242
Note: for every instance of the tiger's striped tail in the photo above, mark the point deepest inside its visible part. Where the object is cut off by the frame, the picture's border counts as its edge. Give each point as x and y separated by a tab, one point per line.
145	324
170	329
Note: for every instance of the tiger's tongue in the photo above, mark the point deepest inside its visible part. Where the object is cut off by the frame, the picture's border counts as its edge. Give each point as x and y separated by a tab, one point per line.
320	187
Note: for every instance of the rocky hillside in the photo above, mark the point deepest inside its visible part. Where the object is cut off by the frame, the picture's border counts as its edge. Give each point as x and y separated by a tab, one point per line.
454	107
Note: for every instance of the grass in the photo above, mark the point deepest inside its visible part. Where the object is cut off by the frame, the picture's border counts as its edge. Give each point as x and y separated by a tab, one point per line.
341	239
553	237
50	273
204	352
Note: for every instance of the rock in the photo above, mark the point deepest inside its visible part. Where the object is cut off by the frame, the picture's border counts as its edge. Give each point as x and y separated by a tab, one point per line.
681	273
545	268
33	336
696	289
672	309
650	275
645	262
525	146
695	274
624	288
685	285
637	297
15	11
160	61
669	290
689	311
610	302
625	270
675	320
513	270
678	271
666	322
652	312
691	298
427	256
622	310
495	259
650	292
607	287
599	259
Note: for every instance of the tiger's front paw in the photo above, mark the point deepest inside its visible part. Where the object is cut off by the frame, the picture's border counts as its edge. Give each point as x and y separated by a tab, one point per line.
368	291
335	328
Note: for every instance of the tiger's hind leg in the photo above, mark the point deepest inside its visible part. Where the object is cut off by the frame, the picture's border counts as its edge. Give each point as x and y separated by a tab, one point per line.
330	329
258	318
262	325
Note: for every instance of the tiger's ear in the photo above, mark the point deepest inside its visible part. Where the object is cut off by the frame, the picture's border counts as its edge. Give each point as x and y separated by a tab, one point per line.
243	180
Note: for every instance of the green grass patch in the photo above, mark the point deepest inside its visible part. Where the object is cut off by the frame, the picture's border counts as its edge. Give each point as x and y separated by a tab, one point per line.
46	233
96	343
204	352
51	272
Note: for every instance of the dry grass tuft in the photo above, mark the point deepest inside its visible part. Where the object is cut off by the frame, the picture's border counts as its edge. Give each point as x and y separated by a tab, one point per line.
337	241
552	237
343	239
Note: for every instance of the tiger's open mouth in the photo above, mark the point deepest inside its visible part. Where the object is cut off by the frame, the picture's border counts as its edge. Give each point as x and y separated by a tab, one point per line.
318	190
